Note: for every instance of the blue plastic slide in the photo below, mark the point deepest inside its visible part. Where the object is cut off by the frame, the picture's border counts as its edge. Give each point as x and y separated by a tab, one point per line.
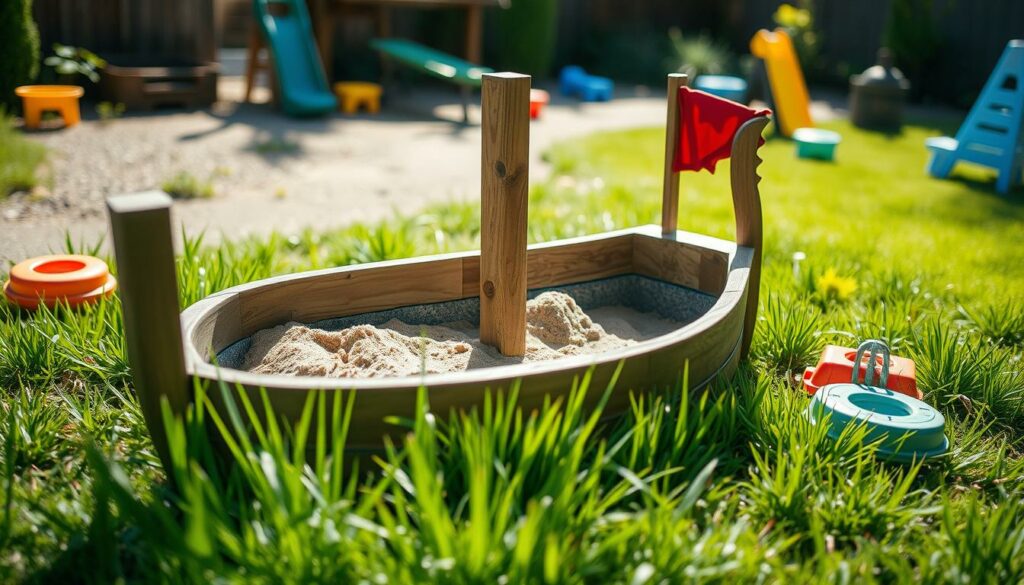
301	82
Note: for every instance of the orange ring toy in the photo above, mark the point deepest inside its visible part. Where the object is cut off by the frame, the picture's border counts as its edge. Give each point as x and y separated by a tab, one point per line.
68	278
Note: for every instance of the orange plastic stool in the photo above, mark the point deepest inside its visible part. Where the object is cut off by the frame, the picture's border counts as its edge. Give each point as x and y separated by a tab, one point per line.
353	95
836	366
538	99
71	279
63	99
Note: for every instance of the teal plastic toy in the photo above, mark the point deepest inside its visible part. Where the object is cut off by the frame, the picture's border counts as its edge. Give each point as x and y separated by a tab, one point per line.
302	84
909	429
991	135
724	86
816	143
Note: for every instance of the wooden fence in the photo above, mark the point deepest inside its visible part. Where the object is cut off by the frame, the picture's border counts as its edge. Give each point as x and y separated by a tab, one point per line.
972	33
169	28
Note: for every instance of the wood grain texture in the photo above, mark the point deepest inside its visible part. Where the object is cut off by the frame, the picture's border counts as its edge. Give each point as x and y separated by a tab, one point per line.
141	226
708	348
670	185
338	293
474	33
746	199
710	345
567	262
680	263
505	170
217	321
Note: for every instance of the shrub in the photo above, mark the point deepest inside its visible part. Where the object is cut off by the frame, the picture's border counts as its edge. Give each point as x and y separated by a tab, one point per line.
699	55
68	61
798	22
19	45
526	36
913	37
185	185
19	159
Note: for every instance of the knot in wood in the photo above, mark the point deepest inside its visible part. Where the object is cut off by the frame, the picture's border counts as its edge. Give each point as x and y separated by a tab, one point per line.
489	288
499	169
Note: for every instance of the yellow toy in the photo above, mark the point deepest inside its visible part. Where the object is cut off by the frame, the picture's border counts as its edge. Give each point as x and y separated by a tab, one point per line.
792	102
353	95
36	99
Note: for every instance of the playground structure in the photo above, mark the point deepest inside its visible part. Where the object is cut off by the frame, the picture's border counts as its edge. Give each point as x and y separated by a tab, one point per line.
991	135
709	284
300	81
301	43
785	78
436	64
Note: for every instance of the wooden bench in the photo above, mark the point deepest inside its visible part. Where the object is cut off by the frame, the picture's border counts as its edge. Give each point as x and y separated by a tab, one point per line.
436	64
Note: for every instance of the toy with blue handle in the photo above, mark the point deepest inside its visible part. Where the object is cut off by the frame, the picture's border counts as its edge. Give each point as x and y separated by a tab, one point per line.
991	135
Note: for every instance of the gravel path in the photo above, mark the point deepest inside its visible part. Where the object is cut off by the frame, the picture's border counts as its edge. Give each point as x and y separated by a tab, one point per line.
271	173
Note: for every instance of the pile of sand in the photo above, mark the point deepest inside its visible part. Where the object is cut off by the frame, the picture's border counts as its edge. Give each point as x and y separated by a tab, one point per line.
556	327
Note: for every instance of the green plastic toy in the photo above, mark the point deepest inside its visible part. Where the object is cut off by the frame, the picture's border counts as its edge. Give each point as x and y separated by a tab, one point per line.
909	428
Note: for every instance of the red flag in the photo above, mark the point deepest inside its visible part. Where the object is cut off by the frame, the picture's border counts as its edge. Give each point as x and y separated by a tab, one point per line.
707	124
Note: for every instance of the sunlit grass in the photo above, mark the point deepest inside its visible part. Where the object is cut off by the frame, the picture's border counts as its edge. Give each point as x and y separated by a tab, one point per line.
730	484
20	159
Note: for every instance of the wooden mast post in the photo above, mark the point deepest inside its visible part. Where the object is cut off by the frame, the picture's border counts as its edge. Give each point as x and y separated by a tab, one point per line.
670	186
504	187
141	225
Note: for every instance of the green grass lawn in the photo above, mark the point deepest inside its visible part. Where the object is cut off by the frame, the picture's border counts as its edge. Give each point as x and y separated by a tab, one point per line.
731	484
19	159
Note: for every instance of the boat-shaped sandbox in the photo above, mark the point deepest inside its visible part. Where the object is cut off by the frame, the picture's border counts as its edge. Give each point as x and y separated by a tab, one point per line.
708	285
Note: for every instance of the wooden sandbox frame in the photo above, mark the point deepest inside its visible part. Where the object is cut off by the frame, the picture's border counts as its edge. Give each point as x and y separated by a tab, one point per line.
168	349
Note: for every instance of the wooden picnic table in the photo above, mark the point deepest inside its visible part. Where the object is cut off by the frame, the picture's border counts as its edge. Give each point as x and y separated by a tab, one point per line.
325	12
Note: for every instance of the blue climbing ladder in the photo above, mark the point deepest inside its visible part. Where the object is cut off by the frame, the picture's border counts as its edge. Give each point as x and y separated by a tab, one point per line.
991	135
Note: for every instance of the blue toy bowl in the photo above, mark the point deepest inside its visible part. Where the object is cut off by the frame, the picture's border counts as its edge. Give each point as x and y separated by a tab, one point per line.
908	428
816	143
724	86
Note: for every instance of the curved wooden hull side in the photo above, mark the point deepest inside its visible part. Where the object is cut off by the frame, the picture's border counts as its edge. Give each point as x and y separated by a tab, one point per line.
710	346
714	353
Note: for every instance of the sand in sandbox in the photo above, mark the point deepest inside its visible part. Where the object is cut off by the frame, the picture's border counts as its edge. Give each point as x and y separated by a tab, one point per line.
556	327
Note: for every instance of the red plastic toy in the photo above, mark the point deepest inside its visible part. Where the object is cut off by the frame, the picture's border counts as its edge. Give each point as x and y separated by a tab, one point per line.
538	99
66	278
836	366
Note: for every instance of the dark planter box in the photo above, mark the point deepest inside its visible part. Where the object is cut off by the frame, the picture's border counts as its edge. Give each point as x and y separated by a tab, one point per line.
148	82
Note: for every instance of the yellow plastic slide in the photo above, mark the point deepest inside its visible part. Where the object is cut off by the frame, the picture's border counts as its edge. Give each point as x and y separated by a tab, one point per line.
789	91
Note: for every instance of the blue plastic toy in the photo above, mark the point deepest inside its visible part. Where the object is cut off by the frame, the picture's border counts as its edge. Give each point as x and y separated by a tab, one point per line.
991	134
302	84
724	86
570	79
590	88
596	89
